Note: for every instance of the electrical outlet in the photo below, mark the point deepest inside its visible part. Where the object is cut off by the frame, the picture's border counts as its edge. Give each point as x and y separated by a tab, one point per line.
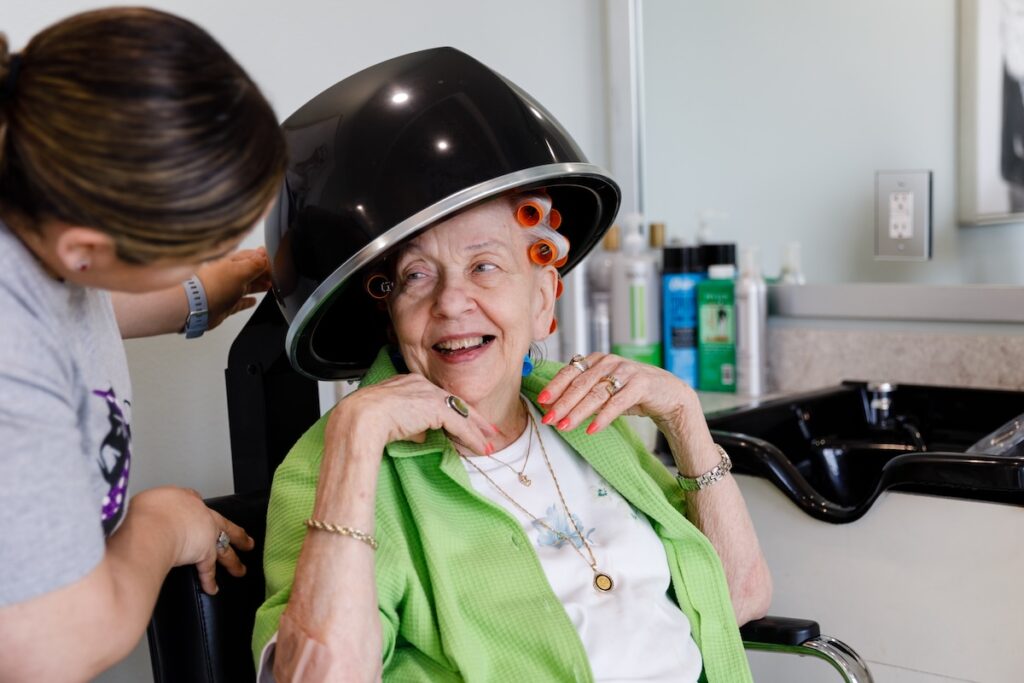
903	215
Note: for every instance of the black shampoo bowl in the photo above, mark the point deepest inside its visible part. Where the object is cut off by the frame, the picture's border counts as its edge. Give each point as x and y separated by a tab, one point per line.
832	452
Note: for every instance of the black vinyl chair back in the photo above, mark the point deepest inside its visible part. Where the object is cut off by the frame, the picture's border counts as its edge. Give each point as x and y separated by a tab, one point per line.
198	638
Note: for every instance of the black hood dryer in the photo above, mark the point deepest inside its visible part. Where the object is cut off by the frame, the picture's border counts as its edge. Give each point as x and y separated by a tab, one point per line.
389	152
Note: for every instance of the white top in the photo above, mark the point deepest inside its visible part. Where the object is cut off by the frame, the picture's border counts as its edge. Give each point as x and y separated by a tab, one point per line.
633	633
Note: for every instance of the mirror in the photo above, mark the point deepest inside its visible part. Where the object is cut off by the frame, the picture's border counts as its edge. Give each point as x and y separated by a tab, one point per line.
779	114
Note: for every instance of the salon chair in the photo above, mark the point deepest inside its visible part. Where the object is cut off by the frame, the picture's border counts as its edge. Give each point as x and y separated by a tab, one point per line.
197	638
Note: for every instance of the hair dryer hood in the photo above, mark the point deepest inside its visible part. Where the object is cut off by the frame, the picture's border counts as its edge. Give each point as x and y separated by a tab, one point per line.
385	154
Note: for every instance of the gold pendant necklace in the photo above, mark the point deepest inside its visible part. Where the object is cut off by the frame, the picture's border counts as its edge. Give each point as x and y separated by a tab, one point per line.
602	581
521	474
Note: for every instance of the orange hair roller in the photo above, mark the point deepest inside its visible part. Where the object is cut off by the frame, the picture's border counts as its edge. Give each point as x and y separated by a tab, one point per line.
531	210
564	253
542	252
559	288
554	326
378	286
555	219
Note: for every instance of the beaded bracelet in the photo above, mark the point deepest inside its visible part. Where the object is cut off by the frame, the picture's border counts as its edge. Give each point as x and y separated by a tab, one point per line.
342	531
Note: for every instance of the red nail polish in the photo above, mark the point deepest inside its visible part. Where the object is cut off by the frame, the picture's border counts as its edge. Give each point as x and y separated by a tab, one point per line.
563	424
544	396
488	449
495	428
548	418
592	428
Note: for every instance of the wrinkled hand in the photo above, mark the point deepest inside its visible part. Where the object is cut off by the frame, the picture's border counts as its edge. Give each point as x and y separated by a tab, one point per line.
198	528
573	396
404	408
231	281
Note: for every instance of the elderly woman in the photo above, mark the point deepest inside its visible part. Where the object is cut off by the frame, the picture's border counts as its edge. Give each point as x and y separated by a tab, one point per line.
468	515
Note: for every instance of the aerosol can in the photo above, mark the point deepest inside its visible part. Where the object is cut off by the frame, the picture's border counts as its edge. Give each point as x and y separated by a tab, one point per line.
751	327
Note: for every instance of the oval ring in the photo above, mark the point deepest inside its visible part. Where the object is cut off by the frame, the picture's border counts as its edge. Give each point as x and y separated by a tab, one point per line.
579	362
457	404
614	384
223	541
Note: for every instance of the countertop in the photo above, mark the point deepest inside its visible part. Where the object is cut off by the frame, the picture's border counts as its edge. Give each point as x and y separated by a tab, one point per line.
713	402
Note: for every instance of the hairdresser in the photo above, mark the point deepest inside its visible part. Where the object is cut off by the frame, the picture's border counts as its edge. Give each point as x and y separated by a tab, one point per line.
136	155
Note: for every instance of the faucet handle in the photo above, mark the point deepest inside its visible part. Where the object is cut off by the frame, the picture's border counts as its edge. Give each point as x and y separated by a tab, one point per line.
881	403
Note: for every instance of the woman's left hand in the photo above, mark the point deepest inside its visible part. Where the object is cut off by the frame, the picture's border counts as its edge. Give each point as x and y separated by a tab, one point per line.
611	386
231	281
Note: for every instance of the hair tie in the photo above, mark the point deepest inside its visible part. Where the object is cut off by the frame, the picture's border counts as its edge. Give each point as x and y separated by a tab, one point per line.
11	81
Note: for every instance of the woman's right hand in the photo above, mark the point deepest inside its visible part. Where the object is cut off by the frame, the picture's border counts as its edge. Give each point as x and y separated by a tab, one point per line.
404	408
197	529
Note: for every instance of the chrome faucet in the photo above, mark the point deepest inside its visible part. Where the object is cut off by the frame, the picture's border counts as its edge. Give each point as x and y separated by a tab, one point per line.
881	402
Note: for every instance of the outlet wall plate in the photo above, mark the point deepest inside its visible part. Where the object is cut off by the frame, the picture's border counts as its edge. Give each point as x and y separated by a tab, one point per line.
903	215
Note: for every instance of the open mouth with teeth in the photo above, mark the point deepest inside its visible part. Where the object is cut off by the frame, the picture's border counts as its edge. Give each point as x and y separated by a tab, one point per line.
452	347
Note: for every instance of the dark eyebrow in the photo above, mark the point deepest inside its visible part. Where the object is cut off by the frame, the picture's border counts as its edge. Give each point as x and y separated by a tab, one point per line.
483	245
476	246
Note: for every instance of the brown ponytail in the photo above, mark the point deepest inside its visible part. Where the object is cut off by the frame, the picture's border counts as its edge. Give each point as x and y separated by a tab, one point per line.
137	123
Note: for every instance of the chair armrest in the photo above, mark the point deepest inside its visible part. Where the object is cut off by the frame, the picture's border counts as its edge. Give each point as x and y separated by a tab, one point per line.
803	637
780	631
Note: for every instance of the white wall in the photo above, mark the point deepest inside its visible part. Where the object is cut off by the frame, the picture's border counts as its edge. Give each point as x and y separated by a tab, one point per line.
781	112
294	50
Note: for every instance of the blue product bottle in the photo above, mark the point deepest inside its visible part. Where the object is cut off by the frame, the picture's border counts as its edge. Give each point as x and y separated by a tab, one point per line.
683	269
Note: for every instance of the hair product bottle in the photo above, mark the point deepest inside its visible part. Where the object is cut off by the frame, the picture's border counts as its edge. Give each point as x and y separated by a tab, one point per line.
656	243
751	327
716	329
599	285
636	332
683	271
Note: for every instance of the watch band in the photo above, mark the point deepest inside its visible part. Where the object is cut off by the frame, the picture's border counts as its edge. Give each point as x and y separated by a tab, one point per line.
708	478
198	319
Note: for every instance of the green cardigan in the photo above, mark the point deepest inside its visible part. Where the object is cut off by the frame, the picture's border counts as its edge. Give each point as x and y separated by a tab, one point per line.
461	591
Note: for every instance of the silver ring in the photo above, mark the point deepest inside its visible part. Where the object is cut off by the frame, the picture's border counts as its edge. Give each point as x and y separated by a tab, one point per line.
614	384
223	541
457	404
579	362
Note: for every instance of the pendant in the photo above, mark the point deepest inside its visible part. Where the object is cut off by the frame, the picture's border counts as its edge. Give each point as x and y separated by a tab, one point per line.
524	480
603	582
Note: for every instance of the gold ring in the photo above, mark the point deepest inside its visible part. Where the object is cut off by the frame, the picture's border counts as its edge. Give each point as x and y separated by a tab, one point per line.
579	362
457	404
613	384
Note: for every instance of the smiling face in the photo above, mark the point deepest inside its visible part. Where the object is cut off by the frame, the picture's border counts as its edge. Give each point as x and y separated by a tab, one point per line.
467	304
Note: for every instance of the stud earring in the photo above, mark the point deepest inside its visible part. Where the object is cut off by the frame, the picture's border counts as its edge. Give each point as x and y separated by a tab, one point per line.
527	365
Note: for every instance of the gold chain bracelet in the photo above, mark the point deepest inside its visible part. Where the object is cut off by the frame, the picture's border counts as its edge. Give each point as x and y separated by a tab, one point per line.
342	531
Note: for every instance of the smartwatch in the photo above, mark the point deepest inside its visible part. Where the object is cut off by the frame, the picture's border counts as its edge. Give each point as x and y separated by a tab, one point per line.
198	319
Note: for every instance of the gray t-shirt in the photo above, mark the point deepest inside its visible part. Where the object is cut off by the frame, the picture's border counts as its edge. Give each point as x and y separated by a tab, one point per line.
65	436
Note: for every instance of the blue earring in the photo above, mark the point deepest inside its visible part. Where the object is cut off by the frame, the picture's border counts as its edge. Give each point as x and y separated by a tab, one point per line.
527	365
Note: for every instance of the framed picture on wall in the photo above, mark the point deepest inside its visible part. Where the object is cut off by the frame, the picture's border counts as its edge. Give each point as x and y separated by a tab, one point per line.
991	111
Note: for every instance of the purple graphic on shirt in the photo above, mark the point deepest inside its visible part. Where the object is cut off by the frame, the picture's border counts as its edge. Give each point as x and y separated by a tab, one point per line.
114	460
